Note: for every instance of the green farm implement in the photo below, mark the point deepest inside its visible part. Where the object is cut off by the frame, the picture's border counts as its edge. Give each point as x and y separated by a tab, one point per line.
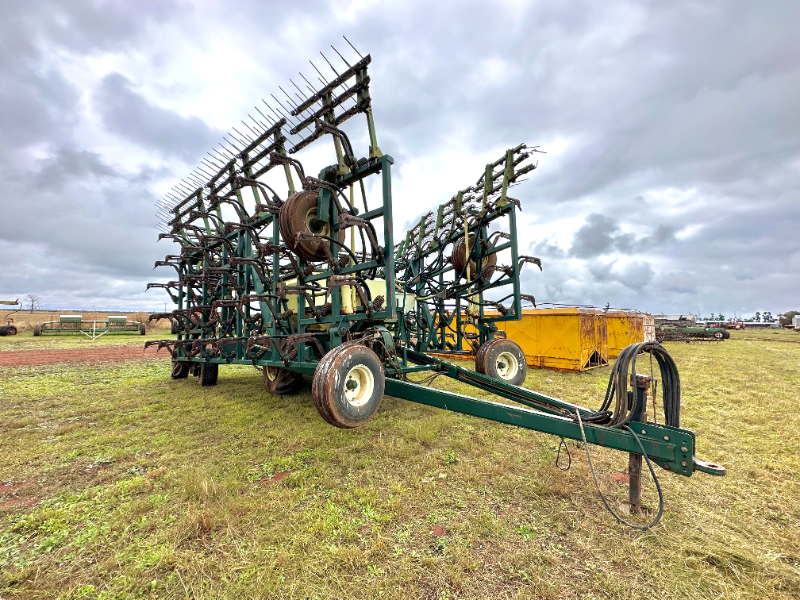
9	328
299	275
72	324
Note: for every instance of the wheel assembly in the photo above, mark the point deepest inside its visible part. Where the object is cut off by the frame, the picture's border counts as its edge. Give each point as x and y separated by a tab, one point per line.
280	381
502	359
208	374
299	214
459	259
348	386
37	330
180	369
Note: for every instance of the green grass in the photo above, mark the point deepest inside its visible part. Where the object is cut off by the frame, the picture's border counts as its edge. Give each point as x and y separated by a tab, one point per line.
147	487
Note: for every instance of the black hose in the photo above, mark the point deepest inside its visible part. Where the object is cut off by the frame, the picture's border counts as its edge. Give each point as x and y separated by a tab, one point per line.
619	380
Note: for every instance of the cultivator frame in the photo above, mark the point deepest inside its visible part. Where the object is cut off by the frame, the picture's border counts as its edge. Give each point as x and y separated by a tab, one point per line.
93	329
281	288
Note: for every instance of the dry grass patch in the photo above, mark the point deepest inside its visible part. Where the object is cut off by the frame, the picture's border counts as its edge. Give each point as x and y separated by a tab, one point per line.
147	487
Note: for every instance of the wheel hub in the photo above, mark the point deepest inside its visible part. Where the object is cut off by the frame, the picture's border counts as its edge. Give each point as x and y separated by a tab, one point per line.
359	385
507	365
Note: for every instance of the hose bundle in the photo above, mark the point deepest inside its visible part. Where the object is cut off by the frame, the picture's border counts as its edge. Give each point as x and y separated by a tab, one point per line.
620	377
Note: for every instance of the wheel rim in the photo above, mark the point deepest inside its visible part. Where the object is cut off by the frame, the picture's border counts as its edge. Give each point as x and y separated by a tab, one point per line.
311	214
507	365
272	373
359	385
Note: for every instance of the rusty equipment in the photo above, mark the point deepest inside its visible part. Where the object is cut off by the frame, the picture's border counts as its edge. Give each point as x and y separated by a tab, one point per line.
299	275
93	329
9	328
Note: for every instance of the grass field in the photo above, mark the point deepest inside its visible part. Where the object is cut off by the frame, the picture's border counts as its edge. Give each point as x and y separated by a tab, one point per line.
120	483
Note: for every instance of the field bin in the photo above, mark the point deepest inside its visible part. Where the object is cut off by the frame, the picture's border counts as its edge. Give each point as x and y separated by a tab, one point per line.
626	327
565	339
71	324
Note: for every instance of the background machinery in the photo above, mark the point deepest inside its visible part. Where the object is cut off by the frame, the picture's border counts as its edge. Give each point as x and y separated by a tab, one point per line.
9	328
299	275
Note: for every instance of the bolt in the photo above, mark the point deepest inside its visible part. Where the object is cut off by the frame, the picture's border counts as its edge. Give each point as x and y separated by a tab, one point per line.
684	449
351	384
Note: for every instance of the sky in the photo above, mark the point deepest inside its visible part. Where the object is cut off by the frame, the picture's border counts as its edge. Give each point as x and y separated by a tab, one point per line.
670	181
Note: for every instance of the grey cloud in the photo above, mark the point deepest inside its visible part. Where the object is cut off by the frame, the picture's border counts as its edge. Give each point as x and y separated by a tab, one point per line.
641	104
602	235
130	115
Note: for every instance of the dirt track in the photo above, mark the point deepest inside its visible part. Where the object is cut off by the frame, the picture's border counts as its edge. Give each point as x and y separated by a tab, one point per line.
25	358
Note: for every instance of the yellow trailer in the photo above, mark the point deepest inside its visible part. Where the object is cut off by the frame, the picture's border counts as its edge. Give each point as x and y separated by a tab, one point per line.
566	339
627	327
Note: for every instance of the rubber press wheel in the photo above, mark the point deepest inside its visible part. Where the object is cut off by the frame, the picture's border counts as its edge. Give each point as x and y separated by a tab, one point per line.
180	369
37	330
502	359
348	386
280	381
208	374
297	215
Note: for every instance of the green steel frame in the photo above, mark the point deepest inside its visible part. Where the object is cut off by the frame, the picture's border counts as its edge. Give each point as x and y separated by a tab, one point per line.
243	297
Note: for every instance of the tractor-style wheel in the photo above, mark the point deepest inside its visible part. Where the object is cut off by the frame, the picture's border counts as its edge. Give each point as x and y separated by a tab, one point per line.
11	330
348	386
142	329
299	214
459	260
37	330
718	335
180	369
280	381
208	374
502	359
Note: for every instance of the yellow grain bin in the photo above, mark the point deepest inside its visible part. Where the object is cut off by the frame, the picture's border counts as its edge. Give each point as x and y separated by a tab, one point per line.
566	339
626	328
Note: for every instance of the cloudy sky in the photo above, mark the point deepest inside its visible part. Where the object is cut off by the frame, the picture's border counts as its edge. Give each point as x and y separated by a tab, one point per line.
671	181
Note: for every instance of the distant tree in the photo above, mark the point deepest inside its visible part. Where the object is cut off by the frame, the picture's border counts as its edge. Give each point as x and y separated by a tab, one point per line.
786	318
720	317
757	317
767	317
33	301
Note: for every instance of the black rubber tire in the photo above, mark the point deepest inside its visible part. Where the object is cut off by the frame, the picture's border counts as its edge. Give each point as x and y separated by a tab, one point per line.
37	330
334	373
180	369
279	381
3	330
502	359
12	330
726	335
142	329
208	374
719	335
295	217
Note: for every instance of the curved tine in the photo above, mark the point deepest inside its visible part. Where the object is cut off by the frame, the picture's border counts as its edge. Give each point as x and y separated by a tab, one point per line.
235	204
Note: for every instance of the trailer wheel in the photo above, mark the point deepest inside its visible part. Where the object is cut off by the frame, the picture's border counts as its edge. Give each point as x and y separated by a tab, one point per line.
348	386
180	369
208	374
142	329
726	335
297	215
280	381
718	335
37	330
11	330
502	359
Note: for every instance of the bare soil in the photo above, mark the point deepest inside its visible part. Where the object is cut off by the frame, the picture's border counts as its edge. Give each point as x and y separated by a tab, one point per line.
26	358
